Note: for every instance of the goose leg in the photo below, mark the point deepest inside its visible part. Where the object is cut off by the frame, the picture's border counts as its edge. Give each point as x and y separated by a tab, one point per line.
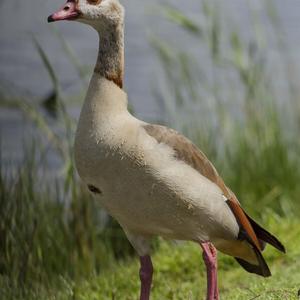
146	272
210	259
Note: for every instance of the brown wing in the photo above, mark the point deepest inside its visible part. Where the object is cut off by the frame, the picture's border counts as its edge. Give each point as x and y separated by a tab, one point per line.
186	151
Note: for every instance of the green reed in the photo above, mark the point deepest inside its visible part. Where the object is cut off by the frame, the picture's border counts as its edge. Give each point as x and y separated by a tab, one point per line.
229	105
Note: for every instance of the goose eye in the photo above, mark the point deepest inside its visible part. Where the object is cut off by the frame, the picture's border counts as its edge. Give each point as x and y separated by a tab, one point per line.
94	2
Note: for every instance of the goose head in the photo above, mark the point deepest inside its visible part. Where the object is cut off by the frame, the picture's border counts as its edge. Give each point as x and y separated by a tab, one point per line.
96	13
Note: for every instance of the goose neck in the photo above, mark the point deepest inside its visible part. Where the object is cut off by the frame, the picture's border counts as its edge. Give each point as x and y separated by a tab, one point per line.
110	61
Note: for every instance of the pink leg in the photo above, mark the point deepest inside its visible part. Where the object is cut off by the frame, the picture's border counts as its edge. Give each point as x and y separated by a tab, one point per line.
210	259
146	272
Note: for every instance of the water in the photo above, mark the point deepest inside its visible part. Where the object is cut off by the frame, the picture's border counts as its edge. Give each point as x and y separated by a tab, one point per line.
22	72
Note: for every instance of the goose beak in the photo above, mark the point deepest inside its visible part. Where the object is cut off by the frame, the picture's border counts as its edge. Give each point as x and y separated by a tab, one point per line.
67	12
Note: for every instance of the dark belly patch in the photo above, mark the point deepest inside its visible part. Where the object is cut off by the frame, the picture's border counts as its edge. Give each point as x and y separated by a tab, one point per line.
94	189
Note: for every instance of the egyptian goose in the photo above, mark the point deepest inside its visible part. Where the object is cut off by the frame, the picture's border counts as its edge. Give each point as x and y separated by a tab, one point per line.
151	179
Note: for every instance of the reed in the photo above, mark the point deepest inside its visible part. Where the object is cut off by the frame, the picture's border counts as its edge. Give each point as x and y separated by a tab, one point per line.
50	227
231	106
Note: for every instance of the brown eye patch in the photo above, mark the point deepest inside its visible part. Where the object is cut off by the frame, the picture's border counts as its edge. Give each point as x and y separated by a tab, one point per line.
94	2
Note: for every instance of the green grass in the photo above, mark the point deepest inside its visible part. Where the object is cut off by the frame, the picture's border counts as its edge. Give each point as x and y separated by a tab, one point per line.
45	233
180	274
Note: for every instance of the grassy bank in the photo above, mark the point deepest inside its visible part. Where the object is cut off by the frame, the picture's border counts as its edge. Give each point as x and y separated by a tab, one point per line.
180	274
52	228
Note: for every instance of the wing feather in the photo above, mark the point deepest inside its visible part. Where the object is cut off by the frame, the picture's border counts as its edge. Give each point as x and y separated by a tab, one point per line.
186	151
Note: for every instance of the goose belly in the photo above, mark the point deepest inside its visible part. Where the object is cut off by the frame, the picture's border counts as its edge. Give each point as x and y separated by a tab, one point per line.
165	198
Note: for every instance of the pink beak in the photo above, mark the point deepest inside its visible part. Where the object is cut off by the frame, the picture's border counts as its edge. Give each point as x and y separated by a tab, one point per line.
67	12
